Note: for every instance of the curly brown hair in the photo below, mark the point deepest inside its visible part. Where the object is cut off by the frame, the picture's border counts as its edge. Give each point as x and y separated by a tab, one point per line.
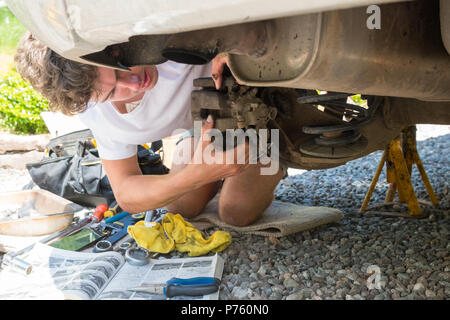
67	85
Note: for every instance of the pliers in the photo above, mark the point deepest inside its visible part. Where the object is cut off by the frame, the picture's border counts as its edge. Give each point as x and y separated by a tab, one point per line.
182	287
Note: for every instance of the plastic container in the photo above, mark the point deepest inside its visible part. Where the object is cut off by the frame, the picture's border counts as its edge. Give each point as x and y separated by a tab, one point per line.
32	213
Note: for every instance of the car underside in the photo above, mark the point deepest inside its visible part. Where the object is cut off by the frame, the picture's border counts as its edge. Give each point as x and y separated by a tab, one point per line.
298	73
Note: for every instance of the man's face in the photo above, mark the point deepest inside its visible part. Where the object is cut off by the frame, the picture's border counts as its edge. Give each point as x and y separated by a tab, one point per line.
125	86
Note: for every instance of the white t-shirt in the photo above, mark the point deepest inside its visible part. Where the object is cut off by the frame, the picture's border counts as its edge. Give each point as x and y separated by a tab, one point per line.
162	110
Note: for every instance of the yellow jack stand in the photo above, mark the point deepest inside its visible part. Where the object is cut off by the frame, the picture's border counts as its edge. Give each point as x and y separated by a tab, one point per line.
399	156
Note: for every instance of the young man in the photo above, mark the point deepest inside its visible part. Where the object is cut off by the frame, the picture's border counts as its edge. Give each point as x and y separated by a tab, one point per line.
126	108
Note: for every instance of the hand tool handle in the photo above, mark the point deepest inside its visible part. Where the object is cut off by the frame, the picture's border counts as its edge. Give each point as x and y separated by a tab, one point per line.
191	287
125	221
113	209
117	217
99	212
192	281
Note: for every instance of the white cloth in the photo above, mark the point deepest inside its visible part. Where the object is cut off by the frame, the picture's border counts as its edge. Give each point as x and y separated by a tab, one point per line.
162	110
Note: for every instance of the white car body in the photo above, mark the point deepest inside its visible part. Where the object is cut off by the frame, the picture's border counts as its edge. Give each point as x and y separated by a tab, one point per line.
75	28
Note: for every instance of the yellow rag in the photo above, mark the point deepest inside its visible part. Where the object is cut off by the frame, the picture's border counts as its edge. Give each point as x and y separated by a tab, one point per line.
175	233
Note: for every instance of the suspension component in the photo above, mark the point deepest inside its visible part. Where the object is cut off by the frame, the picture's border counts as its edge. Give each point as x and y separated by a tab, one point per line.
232	107
338	140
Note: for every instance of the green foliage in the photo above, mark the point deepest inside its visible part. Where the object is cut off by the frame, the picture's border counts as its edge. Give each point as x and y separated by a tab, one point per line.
20	106
11	30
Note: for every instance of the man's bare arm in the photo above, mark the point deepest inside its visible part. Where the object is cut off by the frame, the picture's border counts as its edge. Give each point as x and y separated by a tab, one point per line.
137	193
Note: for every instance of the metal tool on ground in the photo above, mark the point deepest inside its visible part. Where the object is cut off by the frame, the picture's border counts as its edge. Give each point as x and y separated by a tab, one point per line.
109	226
137	256
59	213
119	231
156	215
182	287
117	217
102	246
113	210
12	258
99	213
149	215
124	246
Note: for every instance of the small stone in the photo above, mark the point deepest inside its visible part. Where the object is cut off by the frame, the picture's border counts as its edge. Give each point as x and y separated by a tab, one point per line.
253	256
239	293
253	276
255	265
287	275
307	292
429	294
328	237
395	295
403	276
340	293
295	296
422	280
262	270
273	240
275	296
282	268
341	272
330	281
290	283
419	287
267	291
379	296
253	285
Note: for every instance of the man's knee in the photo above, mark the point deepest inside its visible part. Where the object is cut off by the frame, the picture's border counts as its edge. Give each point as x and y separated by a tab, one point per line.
192	204
238	215
187	211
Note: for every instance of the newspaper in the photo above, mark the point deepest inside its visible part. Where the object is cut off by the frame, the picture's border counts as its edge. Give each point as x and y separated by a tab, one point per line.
160	271
60	274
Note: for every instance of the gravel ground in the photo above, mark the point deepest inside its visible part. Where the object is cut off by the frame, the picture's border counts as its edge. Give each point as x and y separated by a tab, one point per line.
334	261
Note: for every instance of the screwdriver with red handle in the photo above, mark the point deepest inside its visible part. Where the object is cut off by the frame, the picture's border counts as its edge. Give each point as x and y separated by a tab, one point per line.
99	212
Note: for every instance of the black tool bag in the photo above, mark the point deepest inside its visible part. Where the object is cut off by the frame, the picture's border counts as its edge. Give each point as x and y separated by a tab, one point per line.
73	169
